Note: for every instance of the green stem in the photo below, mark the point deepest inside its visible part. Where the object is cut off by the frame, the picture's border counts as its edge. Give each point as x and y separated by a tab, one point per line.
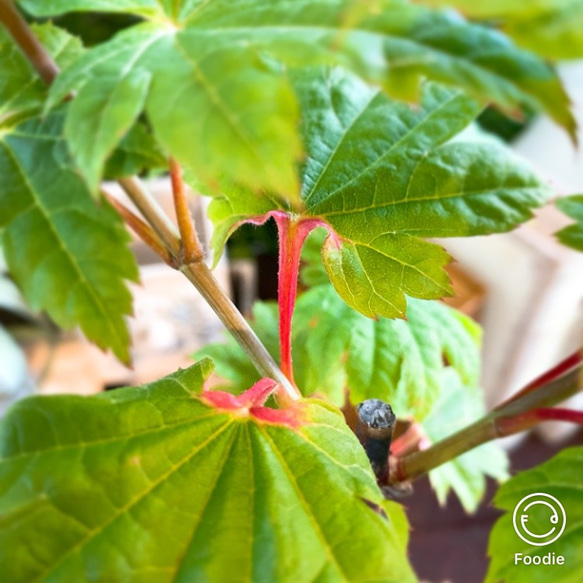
203	279
142	229
515	415
153	213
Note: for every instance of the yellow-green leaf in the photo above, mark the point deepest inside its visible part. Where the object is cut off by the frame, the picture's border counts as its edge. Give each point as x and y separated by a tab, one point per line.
68	252
151	484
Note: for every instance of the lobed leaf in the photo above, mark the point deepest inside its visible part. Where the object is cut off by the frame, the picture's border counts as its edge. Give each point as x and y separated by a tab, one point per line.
374	277
213	98
397	44
67	252
156	485
572	236
559	477
227	87
393	168
381	175
458	406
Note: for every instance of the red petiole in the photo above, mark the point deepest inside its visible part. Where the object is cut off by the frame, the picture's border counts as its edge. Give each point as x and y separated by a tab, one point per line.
292	234
524	421
292	231
572	362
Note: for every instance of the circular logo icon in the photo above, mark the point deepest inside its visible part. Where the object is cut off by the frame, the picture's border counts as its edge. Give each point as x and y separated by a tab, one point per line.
539	519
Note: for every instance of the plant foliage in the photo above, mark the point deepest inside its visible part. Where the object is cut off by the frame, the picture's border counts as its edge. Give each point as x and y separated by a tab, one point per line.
226	66
339	352
345	114
383	176
157	485
67	252
551	28
572	236
336	349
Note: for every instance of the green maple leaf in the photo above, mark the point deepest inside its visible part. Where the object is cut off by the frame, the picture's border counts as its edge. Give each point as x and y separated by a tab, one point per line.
67	252
213	98
227	90
336	348
554	33
550	28
572	236
157	485
23	95
559	477
458	406
383	176
66	249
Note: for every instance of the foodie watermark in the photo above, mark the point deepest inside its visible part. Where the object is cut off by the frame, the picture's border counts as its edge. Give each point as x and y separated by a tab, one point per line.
539	519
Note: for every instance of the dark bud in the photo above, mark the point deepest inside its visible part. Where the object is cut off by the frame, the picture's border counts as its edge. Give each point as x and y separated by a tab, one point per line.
375	430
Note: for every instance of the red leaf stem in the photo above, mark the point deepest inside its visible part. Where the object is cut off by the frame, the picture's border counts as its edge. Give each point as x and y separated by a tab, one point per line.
510	425
292	231
565	366
292	234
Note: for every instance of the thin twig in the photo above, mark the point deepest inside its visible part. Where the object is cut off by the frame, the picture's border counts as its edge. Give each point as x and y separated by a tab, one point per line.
572	361
23	36
191	247
203	279
524	421
515	415
153	213
142	230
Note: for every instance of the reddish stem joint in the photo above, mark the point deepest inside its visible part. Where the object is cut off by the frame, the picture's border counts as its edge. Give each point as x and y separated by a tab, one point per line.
252	403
